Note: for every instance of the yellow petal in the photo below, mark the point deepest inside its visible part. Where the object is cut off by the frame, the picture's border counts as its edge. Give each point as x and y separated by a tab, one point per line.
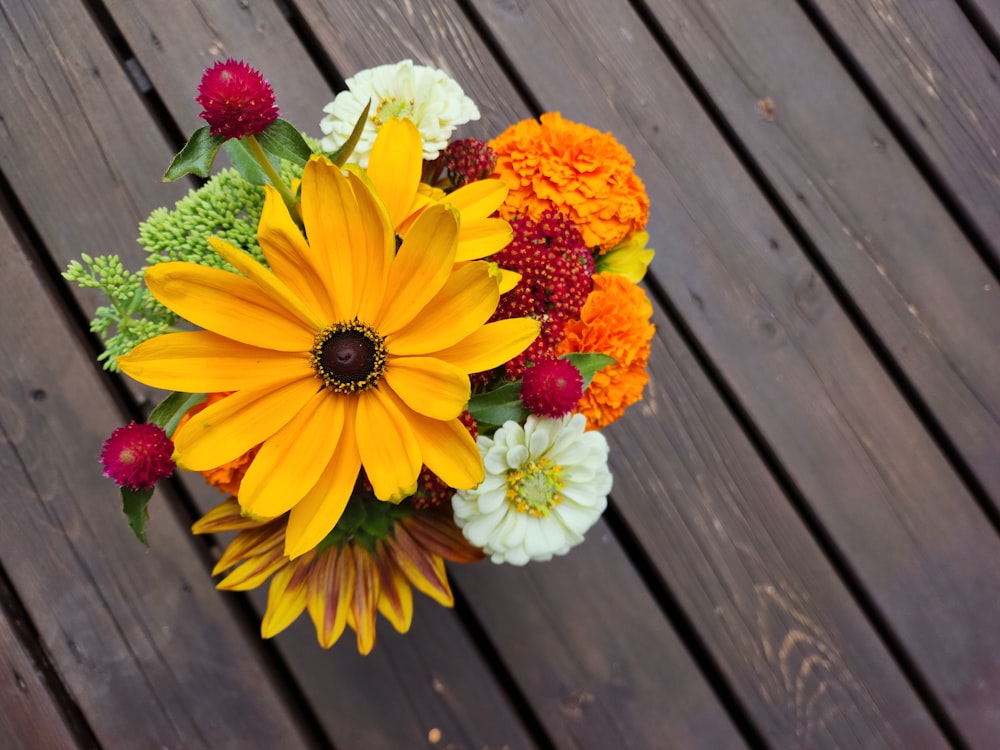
228	304
447	449
429	386
317	513
291	461
491	345
424	570
438	534
225	516
381	248
478	199
291	258
250	543
389	451
479	238
203	362
395	600
394	166
270	284
364	605
328	594
421	267
336	234
254	571
229	428
286	598
464	304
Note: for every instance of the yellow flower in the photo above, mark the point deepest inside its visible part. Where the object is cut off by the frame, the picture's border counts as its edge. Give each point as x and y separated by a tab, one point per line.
342	584
629	259
394	170
344	353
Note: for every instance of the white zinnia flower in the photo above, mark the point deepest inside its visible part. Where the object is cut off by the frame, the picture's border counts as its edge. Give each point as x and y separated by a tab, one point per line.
546	484
433	101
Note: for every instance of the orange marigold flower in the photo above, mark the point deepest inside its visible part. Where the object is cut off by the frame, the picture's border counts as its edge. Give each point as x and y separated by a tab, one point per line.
584	173
225	478
614	321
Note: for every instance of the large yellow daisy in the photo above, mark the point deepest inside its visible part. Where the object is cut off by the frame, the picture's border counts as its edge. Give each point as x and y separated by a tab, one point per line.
394	169
344	353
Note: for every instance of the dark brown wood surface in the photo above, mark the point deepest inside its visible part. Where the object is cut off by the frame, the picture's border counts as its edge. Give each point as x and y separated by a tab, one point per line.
797	555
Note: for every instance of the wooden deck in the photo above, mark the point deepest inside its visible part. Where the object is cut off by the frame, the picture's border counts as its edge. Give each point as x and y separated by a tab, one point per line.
802	550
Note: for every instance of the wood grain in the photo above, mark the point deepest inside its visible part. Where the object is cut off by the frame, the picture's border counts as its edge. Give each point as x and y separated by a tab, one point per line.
29	715
901	259
926	61
821	402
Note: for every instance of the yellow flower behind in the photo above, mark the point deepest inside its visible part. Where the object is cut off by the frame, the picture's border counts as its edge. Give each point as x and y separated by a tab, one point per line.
341	353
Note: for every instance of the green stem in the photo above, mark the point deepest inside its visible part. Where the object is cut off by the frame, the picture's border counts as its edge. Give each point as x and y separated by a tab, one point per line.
274	177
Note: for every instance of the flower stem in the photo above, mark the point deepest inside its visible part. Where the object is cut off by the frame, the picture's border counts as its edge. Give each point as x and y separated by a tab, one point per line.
278	183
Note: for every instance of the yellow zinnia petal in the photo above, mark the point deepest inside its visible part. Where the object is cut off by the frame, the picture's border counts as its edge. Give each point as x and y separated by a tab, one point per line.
288	254
315	515
492	345
291	461
204	362
228	304
421	267
389	451
464	304
394	166
234	425
270	284
429	386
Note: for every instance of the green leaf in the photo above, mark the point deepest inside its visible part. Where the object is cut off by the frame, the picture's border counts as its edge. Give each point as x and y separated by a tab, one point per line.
499	405
197	155
169	412
244	162
135	503
342	154
282	139
588	363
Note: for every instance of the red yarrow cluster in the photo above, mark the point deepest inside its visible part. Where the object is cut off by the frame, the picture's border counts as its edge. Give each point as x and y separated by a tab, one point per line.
236	100
138	455
556	269
468	160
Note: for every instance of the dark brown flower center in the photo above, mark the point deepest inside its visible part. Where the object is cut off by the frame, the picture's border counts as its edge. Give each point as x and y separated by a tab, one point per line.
349	357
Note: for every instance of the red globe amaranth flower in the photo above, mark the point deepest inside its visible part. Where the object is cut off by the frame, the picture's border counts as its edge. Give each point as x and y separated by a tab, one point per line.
551	388
556	269
137	455
468	160
237	101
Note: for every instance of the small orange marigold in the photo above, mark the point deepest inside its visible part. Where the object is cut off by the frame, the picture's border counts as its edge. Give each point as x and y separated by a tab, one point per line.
614	321
575	169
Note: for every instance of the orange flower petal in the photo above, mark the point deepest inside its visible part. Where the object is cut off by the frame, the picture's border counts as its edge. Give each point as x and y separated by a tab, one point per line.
429	386
394	166
389	451
491	345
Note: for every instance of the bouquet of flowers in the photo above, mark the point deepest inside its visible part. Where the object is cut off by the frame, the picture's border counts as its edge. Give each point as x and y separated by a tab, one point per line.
387	348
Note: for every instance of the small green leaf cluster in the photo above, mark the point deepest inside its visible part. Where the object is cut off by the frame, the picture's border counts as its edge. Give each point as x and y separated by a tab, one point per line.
132	316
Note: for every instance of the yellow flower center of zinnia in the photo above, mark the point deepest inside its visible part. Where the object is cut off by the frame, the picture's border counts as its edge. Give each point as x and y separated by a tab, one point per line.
349	356
534	487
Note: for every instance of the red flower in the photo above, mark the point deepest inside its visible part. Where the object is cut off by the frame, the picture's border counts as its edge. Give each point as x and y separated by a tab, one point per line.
137	455
237	101
551	388
468	160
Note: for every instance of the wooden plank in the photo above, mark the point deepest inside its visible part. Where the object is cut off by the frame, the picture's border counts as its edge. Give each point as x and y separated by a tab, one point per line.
376	703
29	714
133	632
871	476
176	41
926	61
852	188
